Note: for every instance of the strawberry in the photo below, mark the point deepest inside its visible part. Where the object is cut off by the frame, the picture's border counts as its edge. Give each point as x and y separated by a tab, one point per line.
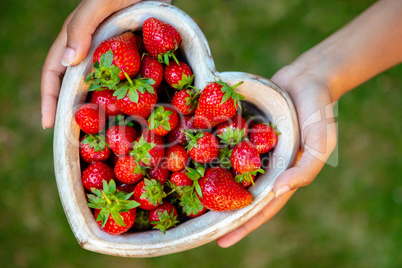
114	212
127	170
90	118
203	147
160	39
162	120
184	182
218	102
163	217
151	68
104	98
244	180
191	205
124	187
94	175
185	101
221	192
148	150
142	220
149	193
120	138
140	43
176	135
93	148
136	97
231	137
264	137
159	173
246	161
236	122
125	53
180	183
178	75
176	158
105	74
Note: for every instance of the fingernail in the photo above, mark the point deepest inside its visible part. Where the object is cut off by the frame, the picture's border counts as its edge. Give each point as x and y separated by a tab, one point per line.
68	57
282	190
43	126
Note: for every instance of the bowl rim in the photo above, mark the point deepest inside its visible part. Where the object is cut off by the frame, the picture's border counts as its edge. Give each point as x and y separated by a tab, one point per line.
191	233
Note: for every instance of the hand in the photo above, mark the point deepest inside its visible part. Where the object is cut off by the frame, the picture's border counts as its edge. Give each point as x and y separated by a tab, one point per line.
312	99
71	47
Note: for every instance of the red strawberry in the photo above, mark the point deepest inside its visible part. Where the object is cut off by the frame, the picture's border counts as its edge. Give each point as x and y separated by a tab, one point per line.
136	97
180	178
163	217
185	101
245	157
149	193
264	137
114	212
90	118
140	43
191	205
93	176
104	98
203	147
142	220
217	103
160	39
125	53
93	148
151	68
185	182
236	122
178	75
120	138
148	150
221	192
162	120
124	187
127	170
230	137
159	173
176	135
114	228
176	158
245	181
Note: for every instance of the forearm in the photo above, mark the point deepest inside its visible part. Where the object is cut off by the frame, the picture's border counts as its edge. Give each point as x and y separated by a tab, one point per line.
368	45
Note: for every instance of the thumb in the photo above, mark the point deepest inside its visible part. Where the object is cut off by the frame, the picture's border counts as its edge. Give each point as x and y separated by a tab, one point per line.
83	23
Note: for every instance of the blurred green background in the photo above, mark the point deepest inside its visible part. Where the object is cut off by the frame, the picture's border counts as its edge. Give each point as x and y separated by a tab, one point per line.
351	216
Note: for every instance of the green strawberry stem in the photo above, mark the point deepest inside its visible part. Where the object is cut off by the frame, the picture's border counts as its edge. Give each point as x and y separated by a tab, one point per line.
106	198
128	78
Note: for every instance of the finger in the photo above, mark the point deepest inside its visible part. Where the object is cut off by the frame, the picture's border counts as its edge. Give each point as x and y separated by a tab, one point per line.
263	216
52	72
84	23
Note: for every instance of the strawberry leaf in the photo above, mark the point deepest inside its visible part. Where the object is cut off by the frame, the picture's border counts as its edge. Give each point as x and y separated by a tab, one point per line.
133	95
121	92
106	59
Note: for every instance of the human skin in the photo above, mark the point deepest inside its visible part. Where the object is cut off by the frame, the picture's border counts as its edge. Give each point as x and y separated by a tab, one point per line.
362	49
365	47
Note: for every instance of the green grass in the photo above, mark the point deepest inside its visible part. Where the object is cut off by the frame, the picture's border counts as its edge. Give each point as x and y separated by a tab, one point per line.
351	216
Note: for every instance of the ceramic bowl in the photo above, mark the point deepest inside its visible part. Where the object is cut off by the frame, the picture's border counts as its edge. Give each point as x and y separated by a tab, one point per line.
272	102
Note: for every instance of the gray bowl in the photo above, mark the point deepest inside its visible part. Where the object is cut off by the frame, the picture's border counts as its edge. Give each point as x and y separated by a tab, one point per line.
273	103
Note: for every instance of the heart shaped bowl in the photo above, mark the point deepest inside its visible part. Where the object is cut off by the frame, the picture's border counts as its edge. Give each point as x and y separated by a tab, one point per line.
271	101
